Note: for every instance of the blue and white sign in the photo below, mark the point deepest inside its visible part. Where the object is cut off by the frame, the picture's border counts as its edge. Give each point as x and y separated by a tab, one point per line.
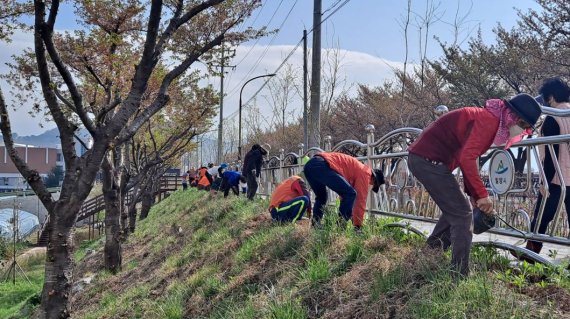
501	172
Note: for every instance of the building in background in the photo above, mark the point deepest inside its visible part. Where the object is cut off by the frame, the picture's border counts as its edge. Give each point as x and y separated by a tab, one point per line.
42	159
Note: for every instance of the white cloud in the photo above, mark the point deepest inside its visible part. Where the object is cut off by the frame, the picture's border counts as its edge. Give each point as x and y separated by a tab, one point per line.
356	67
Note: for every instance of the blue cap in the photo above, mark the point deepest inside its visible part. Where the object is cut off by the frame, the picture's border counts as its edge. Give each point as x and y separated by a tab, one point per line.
224	165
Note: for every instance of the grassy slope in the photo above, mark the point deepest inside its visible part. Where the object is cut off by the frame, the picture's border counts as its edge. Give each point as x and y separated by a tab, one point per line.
200	258
20	300
23	294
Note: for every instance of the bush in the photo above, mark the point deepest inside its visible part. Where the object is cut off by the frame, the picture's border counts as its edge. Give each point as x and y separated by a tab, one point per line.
54	177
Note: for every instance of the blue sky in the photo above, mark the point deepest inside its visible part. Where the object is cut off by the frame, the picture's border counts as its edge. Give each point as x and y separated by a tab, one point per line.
371	26
367	32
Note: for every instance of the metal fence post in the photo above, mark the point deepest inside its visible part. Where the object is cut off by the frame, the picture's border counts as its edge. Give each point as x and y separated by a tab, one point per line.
282	165
328	143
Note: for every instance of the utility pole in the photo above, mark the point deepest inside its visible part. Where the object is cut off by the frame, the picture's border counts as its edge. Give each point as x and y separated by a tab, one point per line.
221	123
219	157
283	127
202	150
305	98
315	122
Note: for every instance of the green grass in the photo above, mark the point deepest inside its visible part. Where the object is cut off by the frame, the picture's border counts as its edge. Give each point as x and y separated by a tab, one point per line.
479	296
228	262
86	246
17	301
317	270
290	308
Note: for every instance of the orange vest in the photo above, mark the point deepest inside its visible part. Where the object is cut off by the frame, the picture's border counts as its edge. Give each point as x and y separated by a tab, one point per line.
284	192
202	179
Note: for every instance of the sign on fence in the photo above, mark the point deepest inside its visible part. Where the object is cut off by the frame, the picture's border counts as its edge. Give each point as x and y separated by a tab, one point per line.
501	172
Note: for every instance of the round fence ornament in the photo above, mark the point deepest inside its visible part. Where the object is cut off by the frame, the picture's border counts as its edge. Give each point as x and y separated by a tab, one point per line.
401	173
501	172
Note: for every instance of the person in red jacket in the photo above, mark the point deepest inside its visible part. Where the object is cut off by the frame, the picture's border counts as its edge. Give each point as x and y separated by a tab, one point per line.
290	200
457	139
347	177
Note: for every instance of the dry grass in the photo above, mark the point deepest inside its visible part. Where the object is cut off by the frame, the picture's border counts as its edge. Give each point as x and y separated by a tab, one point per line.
200	258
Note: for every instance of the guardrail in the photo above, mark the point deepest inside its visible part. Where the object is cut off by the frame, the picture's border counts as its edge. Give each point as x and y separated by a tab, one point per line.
27	192
515	188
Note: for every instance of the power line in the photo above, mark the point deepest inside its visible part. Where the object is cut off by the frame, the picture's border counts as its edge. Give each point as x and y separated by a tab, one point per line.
258	61
251	25
332	6
293	51
331	14
233	114
276	70
257	40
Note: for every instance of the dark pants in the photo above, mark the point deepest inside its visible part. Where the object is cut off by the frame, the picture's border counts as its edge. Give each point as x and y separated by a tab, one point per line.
184	186
549	212
251	185
290	211
203	188
225	187
454	227
320	176
216	183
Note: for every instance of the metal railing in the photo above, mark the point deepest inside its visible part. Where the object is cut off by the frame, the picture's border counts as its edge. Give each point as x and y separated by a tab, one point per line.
403	196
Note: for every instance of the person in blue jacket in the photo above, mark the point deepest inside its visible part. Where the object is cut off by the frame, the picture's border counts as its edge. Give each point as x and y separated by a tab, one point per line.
230	180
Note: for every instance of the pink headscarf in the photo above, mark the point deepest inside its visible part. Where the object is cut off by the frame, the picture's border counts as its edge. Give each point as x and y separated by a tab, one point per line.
507	119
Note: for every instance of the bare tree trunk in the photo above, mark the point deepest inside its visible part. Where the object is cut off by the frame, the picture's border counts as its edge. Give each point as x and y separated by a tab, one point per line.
113	231
147	200
59	262
123	207
122	180
133	208
132	218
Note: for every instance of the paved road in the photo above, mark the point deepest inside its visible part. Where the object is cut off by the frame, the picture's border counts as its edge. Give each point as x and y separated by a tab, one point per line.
562	252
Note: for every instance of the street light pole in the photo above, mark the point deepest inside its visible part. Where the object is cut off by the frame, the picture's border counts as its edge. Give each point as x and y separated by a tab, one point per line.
240	106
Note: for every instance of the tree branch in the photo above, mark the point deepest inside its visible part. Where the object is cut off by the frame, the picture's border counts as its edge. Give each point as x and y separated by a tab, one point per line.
148	58
47	36
162	97
106	109
152	137
81	141
91	71
66	129
32	176
63	99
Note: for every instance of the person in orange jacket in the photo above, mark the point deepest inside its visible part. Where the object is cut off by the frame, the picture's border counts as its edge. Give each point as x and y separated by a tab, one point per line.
204	178
347	177
290	200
